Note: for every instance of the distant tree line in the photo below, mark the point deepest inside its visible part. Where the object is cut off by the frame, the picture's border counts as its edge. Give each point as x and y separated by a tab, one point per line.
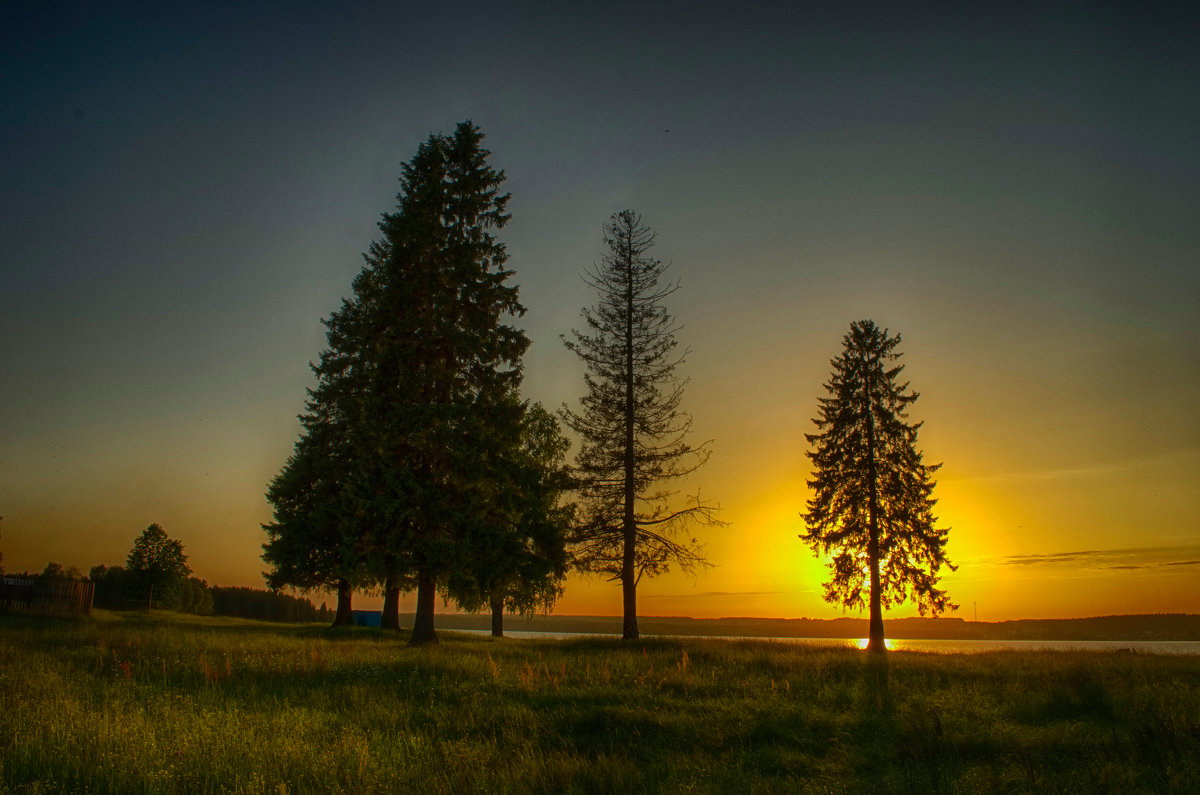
118	588
156	576
241	602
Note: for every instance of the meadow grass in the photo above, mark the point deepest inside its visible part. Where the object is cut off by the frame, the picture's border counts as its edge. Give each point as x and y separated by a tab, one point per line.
169	703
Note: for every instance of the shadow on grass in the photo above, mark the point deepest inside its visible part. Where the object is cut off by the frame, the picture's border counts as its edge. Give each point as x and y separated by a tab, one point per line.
1081	697
898	744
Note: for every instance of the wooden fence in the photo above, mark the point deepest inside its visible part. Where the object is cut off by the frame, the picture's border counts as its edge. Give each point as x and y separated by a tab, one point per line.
22	595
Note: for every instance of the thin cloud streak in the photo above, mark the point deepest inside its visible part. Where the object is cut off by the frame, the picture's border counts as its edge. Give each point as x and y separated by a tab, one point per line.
1054	557
1123	559
1134	566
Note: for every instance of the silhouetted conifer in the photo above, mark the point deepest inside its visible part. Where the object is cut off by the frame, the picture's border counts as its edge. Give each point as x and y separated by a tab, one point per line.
872	504
634	433
439	361
420	375
317	541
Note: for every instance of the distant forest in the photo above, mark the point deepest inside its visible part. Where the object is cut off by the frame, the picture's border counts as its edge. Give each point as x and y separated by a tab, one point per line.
117	589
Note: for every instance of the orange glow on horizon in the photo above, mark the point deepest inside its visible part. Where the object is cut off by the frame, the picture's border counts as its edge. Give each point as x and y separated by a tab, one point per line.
1039	544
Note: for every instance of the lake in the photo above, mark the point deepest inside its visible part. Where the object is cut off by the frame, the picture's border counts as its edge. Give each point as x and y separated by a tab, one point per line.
936	646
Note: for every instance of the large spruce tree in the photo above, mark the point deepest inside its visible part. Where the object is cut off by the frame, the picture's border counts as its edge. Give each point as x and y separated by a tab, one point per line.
442	358
872	506
634	433
428	361
347	373
413	470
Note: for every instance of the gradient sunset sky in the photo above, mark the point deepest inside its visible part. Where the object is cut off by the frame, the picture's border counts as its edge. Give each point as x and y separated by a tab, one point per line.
187	189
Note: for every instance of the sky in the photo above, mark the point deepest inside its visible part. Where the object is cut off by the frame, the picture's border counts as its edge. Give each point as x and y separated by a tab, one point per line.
187	190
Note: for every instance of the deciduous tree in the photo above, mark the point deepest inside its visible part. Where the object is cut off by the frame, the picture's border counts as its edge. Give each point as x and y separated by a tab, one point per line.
156	563
113	588
634	433
56	571
516	552
872	506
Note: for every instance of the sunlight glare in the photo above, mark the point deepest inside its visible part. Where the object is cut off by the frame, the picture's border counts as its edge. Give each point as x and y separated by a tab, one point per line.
862	643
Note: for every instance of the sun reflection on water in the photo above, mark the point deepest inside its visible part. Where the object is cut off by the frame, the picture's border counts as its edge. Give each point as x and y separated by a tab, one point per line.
863	642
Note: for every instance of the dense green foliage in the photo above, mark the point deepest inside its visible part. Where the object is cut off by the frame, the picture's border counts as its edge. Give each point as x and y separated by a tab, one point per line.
240	602
198	597
519	556
112	589
314	542
56	571
872	503
116	590
157	566
162	702
634	432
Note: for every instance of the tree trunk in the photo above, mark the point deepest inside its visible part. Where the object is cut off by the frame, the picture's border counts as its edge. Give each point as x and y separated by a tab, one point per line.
344	617
423	633
875	640
390	618
498	617
629	625
150	598
629	628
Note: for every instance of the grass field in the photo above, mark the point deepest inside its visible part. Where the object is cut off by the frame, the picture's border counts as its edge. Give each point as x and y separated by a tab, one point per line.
168	703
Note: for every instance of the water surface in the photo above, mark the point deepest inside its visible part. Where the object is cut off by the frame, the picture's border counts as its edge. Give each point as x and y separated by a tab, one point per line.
936	646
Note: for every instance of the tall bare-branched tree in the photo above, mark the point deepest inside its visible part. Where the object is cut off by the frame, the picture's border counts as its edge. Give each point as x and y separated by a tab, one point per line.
872	503
634	433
